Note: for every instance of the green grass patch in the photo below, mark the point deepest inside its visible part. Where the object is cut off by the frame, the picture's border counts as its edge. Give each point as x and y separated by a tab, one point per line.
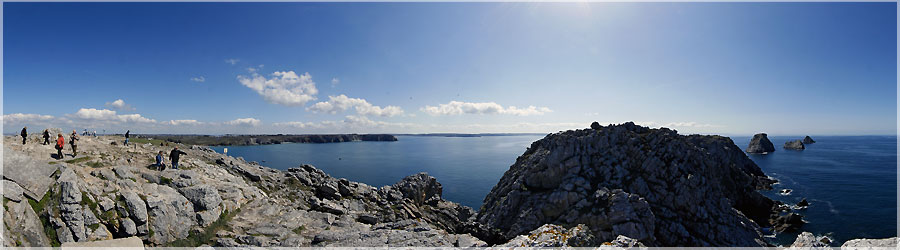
46	203
195	239
85	200
78	160
93	226
38	206
51	163
164	180
95	164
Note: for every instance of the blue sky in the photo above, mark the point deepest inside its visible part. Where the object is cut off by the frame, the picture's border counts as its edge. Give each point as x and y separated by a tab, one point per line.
712	68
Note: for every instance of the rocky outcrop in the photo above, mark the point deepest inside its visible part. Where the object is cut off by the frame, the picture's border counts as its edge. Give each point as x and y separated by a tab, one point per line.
760	144
807	240
808	140
859	244
652	185
794	145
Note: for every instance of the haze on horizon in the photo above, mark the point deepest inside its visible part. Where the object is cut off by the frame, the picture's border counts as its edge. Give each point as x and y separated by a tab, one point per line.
308	68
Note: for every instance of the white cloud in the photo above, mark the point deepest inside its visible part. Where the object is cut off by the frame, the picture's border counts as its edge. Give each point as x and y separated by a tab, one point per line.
342	103
335	82
253	122
91	114
298	124
119	104
183	122
231	61
458	108
284	88
198	79
25	118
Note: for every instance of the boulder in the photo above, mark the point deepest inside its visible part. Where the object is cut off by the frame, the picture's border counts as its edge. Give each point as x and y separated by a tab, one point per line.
171	215
13	191
808	140
803	203
137	209
124	172
419	188
596	126
24	225
204	197
794	145
33	176
807	240
760	144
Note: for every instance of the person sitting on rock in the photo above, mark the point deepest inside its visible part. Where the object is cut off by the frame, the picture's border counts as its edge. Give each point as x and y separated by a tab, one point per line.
72	141
24	134
60	142
174	155
46	136
159	161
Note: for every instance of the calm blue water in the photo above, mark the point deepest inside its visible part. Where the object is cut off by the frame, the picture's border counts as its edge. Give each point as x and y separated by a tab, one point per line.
850	181
467	167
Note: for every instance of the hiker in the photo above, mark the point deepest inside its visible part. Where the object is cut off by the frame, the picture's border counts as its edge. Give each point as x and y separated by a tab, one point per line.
72	142
174	155
24	134
46	136
60	142
127	134
94	133
159	164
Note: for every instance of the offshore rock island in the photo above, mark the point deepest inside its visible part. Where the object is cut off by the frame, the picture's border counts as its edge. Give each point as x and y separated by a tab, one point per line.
618	185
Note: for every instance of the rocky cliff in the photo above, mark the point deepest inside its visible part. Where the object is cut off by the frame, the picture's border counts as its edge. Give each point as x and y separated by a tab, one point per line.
652	185
113	191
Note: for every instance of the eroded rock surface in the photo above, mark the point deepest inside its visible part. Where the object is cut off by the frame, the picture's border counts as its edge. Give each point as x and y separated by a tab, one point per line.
652	185
760	144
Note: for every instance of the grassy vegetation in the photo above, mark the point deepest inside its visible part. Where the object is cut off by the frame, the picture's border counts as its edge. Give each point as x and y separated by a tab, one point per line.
196	239
164	180
47	202
78	160
95	164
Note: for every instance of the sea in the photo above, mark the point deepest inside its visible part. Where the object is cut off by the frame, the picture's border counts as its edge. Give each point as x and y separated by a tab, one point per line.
849	181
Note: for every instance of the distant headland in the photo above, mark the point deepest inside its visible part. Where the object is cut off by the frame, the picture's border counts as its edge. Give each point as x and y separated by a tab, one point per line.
245	140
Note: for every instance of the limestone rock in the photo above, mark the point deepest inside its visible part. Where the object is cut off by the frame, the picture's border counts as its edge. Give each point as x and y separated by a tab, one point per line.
760	144
807	240
204	197
13	191
419	188
30	174
860	244
137	209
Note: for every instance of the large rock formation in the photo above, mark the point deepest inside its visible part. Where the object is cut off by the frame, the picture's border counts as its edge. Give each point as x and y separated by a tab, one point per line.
794	145
652	185
888	243
760	144
808	140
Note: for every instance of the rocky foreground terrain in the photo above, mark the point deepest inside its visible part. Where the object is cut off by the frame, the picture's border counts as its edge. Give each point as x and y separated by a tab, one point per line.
623	185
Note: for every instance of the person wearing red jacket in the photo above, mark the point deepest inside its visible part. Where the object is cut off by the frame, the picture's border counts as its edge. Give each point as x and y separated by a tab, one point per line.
60	143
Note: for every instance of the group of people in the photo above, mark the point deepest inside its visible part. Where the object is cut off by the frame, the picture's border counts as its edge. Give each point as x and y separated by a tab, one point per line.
174	155
60	141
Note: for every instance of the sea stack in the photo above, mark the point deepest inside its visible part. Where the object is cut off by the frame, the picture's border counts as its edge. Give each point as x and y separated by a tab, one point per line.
651	185
760	144
808	140
794	145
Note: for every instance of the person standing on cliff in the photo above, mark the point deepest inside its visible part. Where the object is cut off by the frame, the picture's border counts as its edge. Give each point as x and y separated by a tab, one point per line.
127	134
60	143
24	134
72	141
159	164
175	155
46	136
